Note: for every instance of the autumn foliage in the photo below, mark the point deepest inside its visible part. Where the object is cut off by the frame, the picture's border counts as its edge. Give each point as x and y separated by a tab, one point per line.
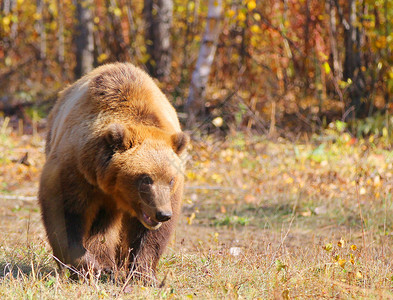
291	197
290	64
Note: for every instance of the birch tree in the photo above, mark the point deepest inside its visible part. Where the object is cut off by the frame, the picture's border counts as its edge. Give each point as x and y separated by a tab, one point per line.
196	98
158	20
10	7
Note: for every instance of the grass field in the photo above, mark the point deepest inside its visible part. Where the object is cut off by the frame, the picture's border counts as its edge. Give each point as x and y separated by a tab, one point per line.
261	219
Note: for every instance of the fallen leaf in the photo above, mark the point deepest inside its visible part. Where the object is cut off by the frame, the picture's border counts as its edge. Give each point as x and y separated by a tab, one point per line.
190	219
320	210
235	251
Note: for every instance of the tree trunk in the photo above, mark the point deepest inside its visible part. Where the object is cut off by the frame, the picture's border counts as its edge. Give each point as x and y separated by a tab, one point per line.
132	33
118	46
196	98
14	26
337	71
352	62
6	7
41	29
350	41
84	42
387	52
135	52
60	36
306	57
158	20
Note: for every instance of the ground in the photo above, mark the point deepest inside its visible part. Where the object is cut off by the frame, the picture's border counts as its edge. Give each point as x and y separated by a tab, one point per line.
262	218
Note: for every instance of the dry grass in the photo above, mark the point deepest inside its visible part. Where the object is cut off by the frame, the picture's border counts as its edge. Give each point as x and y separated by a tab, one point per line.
261	219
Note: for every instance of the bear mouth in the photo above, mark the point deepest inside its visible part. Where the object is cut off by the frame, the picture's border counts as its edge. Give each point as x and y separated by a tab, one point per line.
149	223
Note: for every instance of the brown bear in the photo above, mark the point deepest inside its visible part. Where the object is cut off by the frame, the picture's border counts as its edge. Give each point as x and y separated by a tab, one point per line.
111	187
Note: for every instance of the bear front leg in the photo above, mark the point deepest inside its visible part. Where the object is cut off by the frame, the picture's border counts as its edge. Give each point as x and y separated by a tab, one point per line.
69	248
77	253
90	250
64	226
102	236
53	213
144	248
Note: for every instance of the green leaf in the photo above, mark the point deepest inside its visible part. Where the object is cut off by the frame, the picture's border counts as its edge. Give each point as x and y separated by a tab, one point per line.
280	265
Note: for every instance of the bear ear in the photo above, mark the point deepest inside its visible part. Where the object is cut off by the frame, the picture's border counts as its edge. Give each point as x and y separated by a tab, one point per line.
97	86
118	137
180	141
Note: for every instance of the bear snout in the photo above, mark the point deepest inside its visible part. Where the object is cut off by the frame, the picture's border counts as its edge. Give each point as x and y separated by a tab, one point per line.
163	216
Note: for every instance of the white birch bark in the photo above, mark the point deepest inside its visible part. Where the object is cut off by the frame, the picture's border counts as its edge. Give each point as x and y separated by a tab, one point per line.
14	27
196	97
6	7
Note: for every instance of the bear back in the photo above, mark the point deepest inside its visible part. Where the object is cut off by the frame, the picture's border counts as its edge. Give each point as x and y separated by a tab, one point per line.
113	93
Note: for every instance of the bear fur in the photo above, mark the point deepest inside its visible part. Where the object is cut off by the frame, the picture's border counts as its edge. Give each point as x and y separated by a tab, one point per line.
111	187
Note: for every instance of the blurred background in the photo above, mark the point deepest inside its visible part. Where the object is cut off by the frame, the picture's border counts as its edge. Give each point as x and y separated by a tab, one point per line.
276	67
289	106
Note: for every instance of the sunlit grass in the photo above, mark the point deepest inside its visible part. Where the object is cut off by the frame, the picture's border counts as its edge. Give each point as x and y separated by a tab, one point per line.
261	219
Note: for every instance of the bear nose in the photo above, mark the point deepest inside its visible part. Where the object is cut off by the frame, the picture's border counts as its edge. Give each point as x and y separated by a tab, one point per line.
163	216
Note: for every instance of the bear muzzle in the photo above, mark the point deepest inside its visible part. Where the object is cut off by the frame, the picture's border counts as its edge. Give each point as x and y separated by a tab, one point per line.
152	217
154	224
155	203
149	223
163	216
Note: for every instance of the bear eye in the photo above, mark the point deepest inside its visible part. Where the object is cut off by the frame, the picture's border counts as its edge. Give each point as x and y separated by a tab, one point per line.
147	180
171	183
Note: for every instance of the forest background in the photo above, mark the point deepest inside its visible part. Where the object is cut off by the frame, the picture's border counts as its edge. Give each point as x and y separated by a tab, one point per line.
289	107
282	66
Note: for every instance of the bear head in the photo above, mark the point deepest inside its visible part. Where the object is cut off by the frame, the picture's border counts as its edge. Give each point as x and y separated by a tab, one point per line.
141	167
